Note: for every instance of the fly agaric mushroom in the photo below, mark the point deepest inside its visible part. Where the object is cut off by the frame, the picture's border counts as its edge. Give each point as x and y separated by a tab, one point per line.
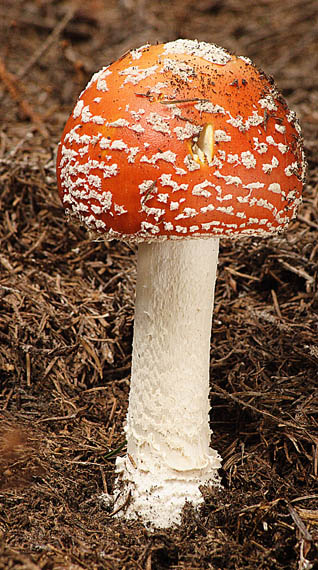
168	146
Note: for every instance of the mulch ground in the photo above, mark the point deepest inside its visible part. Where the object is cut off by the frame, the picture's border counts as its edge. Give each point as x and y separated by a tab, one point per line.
66	313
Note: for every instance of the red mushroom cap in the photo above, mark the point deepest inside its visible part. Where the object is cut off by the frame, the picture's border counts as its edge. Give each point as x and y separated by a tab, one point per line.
181	140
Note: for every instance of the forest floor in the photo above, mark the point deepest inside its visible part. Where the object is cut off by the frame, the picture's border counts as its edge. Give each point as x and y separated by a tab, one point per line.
66	313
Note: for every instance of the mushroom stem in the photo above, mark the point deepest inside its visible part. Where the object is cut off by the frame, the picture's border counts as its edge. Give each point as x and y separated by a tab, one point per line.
168	433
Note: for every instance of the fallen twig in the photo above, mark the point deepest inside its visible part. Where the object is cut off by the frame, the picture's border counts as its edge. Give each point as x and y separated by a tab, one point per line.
50	40
11	84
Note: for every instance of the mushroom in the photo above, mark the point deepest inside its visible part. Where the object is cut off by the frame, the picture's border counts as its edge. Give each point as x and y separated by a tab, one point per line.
172	147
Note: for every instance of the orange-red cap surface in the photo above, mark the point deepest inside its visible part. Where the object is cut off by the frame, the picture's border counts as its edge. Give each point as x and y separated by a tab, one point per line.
129	163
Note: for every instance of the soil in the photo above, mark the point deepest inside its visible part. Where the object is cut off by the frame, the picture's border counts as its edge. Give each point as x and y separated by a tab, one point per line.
67	303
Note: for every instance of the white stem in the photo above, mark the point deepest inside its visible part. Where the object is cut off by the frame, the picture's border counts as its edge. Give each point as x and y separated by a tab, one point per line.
168	434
